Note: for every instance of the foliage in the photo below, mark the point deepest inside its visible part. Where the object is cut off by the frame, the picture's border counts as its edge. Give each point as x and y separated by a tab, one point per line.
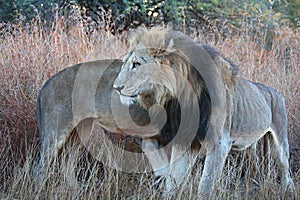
183	14
12	10
7	11
124	14
293	12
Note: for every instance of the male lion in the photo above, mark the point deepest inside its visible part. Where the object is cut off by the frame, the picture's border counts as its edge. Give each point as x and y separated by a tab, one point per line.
164	68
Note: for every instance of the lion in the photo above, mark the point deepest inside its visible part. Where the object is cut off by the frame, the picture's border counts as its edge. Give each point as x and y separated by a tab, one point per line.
204	91
71	101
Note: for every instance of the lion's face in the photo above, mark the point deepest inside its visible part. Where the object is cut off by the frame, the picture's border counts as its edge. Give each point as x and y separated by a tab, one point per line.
141	76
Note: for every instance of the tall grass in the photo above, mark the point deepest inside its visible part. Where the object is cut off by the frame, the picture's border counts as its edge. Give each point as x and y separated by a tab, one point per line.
30	54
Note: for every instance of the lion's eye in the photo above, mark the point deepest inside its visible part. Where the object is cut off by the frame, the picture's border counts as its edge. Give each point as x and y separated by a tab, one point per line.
135	65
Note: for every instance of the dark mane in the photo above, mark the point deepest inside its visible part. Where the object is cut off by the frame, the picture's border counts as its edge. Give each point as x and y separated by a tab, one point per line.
173	109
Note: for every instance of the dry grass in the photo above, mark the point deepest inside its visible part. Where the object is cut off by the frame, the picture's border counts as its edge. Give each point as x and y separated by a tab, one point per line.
29	55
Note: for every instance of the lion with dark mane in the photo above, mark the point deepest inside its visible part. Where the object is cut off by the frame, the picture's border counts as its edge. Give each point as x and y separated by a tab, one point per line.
202	90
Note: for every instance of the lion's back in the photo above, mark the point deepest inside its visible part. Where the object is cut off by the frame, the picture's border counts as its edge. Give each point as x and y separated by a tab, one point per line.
56	95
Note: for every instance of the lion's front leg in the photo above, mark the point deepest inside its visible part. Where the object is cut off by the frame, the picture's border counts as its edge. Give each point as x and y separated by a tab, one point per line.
173	172
214	162
157	158
181	163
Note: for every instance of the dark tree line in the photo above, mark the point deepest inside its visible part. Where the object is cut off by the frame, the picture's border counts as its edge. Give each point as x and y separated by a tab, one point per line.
119	15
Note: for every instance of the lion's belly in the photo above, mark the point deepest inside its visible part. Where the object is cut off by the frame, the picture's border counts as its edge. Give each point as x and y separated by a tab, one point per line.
251	115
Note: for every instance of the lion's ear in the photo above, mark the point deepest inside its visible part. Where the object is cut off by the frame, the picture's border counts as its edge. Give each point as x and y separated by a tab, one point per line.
170	48
134	36
162	49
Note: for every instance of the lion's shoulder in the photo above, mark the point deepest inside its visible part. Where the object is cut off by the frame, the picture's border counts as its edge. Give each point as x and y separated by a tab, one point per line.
230	71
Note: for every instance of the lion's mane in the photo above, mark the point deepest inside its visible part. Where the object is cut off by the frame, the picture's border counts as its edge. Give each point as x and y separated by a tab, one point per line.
182	54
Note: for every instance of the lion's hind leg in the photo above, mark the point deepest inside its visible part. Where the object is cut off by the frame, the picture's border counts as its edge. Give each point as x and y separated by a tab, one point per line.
281	153
252	159
279	140
50	145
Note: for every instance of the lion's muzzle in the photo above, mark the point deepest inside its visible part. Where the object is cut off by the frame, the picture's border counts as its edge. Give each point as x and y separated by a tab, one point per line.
118	88
127	92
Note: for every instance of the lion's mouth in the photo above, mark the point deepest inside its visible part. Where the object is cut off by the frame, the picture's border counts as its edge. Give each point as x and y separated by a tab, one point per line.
128	99
142	90
129	95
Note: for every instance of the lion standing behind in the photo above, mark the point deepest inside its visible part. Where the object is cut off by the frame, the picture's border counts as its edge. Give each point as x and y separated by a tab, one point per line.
234	112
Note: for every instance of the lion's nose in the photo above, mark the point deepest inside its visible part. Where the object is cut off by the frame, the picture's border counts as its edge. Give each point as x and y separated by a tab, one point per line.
118	88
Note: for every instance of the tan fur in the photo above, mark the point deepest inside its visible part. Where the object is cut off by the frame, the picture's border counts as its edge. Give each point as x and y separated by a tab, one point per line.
161	60
72	100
